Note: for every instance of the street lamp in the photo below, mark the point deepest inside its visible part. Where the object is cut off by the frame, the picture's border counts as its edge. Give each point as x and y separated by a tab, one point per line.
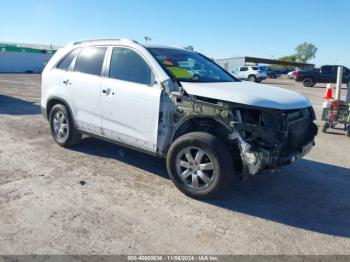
147	38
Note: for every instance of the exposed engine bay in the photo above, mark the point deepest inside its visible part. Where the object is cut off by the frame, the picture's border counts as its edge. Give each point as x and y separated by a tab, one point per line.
272	138
264	138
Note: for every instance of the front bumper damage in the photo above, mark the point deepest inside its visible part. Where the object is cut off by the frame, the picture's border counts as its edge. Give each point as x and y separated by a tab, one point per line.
256	160
278	152
263	139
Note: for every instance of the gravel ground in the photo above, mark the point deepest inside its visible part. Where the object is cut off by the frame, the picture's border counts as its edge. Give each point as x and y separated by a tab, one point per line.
128	205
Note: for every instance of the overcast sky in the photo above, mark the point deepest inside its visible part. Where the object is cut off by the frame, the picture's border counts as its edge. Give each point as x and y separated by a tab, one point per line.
219	29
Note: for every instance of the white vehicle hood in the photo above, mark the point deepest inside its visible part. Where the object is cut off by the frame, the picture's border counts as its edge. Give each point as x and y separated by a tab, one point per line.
249	93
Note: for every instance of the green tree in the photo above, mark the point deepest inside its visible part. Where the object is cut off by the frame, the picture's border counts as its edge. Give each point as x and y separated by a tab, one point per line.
288	58
305	52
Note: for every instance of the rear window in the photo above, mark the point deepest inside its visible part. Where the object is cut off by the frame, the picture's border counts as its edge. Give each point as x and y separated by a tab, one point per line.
90	60
67	61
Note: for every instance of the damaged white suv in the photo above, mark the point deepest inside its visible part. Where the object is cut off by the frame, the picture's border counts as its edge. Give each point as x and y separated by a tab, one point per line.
176	104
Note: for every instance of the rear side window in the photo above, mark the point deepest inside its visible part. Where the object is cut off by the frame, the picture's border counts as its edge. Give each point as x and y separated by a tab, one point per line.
255	68
127	65
90	60
327	69
244	69
66	62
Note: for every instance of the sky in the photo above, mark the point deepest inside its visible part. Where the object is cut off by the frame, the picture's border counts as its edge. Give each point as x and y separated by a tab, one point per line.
219	29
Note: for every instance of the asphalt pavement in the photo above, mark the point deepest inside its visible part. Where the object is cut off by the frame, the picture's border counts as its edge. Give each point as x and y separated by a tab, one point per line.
99	198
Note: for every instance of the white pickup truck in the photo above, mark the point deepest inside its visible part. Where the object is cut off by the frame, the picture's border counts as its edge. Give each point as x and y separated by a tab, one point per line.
176	104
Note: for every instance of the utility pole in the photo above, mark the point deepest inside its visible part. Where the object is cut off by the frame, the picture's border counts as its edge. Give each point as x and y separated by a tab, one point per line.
339	82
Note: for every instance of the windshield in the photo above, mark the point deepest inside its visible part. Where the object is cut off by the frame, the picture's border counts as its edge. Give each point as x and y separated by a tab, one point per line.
189	66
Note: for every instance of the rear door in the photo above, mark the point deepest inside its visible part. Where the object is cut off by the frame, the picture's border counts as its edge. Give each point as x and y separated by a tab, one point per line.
130	100
328	74
243	72
83	87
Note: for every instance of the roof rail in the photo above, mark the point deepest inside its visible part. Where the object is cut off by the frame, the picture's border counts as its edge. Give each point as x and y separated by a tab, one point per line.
103	40
178	46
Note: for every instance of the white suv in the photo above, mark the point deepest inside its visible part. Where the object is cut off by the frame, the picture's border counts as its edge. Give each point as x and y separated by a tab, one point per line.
176	104
250	73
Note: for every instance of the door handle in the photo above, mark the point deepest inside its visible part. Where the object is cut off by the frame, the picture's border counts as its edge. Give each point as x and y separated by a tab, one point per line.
108	91
66	82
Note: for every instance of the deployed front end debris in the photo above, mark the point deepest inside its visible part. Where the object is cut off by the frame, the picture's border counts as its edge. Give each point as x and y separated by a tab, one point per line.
266	139
270	139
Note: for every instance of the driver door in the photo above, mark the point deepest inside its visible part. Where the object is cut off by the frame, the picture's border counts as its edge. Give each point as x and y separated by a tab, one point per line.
130	100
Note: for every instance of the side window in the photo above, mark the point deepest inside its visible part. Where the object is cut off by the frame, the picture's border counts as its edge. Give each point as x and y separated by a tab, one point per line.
66	62
326	69
244	69
129	66
90	60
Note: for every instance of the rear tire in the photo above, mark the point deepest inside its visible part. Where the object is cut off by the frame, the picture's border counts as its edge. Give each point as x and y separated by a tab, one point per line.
200	165
252	78
308	82
62	127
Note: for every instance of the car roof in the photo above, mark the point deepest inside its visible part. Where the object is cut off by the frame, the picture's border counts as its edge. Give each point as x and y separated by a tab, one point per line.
163	46
113	41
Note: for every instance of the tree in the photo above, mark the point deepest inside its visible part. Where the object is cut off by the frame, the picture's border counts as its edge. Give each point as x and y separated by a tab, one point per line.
305	52
288	58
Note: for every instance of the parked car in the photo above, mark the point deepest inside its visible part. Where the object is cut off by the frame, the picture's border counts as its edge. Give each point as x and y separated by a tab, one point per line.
250	73
270	73
209	128
326	74
291	75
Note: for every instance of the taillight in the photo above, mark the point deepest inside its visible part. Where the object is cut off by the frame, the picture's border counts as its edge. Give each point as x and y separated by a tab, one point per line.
296	74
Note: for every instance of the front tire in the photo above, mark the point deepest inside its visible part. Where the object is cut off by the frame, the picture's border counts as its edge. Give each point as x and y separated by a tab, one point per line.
200	165
308	82
62	127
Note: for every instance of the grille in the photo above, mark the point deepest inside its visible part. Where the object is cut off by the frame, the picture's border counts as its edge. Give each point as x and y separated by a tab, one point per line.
298	133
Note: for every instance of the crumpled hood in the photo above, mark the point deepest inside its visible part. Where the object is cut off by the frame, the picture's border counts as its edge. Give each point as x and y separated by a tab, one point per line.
249	93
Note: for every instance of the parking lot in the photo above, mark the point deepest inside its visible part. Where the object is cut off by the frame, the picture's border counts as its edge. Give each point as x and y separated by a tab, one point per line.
99	198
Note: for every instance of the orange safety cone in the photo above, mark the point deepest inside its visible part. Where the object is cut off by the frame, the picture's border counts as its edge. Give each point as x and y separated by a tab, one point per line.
329	92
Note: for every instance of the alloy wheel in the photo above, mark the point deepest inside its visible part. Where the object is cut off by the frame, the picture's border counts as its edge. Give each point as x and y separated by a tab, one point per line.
60	125
195	168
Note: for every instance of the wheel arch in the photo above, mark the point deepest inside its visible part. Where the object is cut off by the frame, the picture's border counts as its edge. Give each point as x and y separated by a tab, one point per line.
207	124
219	129
252	75
52	101
311	77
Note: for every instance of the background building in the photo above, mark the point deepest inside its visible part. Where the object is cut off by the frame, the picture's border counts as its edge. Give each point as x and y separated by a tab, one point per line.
230	63
24	58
